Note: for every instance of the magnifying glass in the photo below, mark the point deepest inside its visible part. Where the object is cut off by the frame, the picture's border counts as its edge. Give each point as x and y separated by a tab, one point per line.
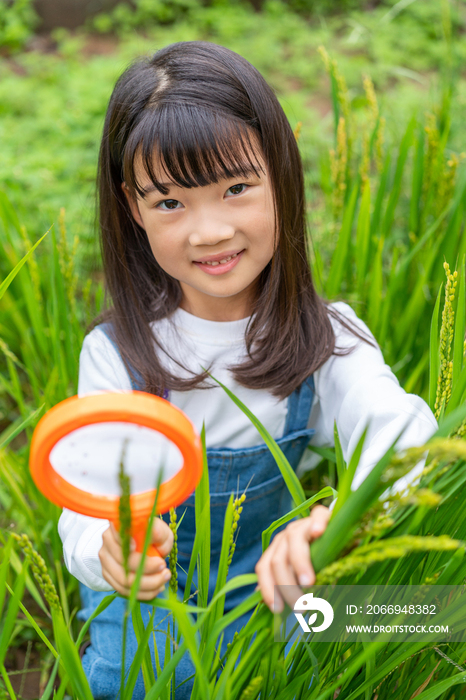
77	447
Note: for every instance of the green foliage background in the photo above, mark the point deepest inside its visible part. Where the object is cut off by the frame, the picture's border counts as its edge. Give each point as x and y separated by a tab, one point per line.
52	102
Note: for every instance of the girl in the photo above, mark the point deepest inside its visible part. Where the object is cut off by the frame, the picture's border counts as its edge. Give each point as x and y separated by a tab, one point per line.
203	237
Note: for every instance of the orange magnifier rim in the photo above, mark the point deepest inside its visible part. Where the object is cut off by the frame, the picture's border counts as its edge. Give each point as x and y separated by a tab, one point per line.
130	407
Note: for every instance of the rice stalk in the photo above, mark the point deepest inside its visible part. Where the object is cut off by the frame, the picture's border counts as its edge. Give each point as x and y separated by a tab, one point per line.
252	690
39	570
124	509
338	168
237	510
297	130
444	382
379	144
391	548
173	556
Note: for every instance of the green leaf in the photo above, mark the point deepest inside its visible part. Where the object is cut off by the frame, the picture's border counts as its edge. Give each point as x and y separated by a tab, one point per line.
303	508
340	461
202	514
6	680
458	342
143	655
19	429
188	630
324	452
376	287
340	254
344	485
339	531
363	238
34	624
4	567
12	612
6	283
49	688
405	145
434	352
70	657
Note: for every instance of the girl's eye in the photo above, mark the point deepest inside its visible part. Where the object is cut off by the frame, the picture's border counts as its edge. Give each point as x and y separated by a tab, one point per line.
235	189
170	204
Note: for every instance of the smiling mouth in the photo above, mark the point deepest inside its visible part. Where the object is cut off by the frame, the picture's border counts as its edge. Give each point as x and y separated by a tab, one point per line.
223	261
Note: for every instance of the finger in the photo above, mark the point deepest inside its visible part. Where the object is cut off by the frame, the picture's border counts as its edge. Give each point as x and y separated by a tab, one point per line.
300	533
162	537
299	554
152	583
285	580
264	575
150	596
111	568
147	584
126	591
319	517
273	570
122	590
152	565
116	536
113	549
111	544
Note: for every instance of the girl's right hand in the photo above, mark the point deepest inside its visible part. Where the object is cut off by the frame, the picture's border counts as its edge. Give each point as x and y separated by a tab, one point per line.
155	573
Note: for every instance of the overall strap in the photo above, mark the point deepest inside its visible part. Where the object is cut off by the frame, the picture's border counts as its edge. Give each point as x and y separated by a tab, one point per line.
137	383
299	406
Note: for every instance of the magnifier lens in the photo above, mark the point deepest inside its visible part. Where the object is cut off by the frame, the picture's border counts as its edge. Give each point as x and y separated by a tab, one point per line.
89	457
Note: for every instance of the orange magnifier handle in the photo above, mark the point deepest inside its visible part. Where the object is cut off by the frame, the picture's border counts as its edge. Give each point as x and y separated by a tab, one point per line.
135	407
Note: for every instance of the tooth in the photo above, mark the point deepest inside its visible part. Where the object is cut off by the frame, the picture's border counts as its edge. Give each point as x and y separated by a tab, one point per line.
221	262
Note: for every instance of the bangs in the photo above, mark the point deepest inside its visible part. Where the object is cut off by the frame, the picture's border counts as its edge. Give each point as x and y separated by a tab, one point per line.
193	145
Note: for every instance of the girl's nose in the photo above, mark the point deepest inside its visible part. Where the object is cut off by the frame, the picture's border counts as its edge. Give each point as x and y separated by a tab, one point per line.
209	231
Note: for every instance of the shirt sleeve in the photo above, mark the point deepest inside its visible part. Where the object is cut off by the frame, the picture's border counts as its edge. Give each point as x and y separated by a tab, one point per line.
100	369
359	390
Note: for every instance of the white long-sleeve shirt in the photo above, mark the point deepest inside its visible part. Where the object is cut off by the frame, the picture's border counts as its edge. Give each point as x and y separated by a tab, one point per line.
355	390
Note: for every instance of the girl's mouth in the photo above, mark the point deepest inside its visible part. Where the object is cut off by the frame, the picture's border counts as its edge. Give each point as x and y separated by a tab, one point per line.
218	268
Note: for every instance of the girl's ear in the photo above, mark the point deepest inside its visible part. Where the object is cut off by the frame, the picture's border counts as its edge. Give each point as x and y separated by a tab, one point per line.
133	204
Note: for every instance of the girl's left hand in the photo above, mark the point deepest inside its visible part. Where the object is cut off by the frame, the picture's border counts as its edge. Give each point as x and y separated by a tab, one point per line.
287	561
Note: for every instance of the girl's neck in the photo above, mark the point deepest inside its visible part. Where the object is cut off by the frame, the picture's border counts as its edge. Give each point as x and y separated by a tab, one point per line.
221	314
221	309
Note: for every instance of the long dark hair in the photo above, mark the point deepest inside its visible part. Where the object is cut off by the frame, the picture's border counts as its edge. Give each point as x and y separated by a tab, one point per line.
198	106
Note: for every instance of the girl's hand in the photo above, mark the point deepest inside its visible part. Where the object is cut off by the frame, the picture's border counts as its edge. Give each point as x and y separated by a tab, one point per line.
287	561
155	572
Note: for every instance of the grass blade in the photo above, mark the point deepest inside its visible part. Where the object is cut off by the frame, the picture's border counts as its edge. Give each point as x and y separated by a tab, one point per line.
458	343
6	283
340	255
303	508
434	351
70	657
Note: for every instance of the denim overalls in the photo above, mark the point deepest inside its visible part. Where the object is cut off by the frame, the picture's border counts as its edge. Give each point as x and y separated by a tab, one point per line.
267	498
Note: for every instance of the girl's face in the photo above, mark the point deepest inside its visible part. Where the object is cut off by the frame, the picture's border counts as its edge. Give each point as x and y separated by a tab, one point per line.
194	232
